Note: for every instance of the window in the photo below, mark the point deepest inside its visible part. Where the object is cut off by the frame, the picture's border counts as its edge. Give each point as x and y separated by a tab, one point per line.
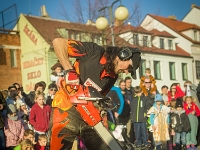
172	71
98	39
162	43
145	38
195	35
72	36
135	39
157	72
142	68
184	71
170	44
77	36
13	59
197	63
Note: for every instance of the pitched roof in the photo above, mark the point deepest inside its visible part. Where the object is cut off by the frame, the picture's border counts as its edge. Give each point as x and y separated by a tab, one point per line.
48	30
129	28
178	52
155	32
48	27
177	26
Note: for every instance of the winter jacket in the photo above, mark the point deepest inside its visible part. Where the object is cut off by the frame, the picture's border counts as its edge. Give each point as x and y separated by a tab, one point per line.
38	147
30	99
117	98
3	102
14	130
180	121
139	107
39	117
129	94
191	109
179	93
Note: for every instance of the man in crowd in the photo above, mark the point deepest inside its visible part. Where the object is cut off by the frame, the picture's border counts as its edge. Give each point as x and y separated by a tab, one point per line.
97	66
164	90
12	93
129	95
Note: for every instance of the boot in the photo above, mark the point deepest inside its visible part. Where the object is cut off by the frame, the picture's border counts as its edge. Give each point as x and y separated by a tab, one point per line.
158	147
178	147
183	147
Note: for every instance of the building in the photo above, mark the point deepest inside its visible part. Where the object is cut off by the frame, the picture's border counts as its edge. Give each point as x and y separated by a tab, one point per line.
10	67
186	38
169	62
37	53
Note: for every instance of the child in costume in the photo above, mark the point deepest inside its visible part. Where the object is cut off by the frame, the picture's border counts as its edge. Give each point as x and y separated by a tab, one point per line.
180	124
192	111
159	119
57	71
152	80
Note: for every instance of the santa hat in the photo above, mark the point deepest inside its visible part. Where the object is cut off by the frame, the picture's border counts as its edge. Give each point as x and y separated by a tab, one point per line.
71	77
188	92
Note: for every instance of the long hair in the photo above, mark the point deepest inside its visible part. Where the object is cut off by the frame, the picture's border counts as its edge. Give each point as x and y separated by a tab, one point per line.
39	94
110	55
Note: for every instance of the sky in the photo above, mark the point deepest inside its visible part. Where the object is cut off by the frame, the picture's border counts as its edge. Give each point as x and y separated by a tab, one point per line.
178	8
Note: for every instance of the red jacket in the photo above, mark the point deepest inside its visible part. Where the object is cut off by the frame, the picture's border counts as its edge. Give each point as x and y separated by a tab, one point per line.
179	93
38	147
39	117
191	109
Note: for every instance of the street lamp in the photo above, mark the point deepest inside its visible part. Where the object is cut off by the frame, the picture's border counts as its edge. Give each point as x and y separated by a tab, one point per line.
121	13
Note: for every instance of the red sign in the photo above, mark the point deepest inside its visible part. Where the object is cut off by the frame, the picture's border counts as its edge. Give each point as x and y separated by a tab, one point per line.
30	34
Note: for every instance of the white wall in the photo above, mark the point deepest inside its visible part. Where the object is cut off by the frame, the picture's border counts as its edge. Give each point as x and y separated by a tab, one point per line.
156	42
190	33
150	23
193	16
129	38
165	76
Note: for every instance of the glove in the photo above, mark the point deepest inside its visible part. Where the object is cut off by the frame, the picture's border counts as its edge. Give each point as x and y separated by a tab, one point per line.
71	77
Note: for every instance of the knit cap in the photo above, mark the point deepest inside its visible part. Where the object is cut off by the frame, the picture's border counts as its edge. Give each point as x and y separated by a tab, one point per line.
179	103
158	97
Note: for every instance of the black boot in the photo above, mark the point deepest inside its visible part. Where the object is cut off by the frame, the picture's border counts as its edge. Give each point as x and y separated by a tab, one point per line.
178	147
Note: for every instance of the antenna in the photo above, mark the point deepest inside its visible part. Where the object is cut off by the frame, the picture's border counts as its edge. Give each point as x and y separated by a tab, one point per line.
29	9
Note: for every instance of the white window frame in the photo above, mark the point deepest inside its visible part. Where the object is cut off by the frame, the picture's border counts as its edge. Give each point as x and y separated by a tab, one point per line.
172	70
184	71
157	71
142	68
197	67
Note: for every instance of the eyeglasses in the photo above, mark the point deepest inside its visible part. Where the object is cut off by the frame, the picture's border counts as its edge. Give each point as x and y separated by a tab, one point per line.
147	82
53	90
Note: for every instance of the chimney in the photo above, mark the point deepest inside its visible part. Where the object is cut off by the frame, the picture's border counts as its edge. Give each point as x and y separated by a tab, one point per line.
193	5
172	17
89	22
44	12
118	22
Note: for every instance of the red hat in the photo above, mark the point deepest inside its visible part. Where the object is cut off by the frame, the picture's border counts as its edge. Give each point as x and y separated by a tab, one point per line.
71	77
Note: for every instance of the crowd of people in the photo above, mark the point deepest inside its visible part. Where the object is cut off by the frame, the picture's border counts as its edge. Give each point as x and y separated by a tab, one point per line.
25	118
141	116
168	119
